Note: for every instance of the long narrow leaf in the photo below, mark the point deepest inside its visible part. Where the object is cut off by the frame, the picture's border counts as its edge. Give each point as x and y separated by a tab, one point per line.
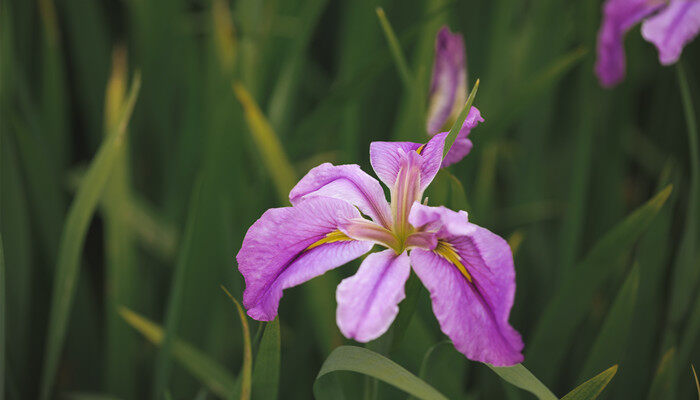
2	322
212	375
266	374
73	238
590	389
697	383
246	369
367	362
457	125
519	376
396	52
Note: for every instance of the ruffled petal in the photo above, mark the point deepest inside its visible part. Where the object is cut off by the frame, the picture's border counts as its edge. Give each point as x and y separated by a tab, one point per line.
345	182
290	245
672	28
386	159
472	300
462	145
448	89
368	301
618	17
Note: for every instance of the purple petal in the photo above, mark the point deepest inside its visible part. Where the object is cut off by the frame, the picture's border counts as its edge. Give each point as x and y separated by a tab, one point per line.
275	254
673	28
473	312
362	229
462	146
618	17
368	301
441	220
386	158
448	89
345	182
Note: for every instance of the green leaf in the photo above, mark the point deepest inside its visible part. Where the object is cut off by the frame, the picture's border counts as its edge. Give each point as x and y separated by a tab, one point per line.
571	301
443	366
358	359
519	376
73	238
452	136
697	383
246	369
406	310
210	373
661	384
266	373
2	320
590	389
612	339
396	52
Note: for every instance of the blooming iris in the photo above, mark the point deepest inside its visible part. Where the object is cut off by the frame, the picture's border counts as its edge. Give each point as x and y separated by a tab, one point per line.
668	24
339	213
448	91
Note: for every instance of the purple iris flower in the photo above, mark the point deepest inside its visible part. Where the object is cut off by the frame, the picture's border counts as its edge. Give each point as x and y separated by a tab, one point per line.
448	93
339	213
668	24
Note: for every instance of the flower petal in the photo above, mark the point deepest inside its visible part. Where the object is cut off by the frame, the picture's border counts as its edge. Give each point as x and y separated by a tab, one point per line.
276	252
368	301
386	159
618	17
462	146
345	182
673	28
474	312
448	89
362	229
442	220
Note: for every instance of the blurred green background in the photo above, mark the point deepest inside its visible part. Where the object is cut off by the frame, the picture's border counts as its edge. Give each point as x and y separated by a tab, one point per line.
103	211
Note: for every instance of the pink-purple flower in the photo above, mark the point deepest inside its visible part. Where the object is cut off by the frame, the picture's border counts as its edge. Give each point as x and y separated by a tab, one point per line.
340	213
668	24
448	93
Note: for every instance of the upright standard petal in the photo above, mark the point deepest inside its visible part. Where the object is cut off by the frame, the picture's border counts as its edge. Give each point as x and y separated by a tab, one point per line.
386	159
345	182
462	145
618	17
368	301
672	28
471	280
448	89
290	245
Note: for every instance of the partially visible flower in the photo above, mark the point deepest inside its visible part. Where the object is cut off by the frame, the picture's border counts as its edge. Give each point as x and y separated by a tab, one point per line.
448	93
669	25
467	269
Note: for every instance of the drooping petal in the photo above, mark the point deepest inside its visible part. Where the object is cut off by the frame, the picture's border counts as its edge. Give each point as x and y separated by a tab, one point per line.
462	145
345	182
672	28
618	17
290	245
448	89
368	301
471	280
386	158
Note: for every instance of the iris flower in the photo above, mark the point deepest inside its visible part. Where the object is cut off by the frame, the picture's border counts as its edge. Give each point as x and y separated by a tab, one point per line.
339	213
668	24
448	91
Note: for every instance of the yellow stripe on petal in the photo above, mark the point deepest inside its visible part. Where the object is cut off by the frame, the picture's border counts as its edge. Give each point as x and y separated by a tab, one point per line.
331	237
448	252
420	149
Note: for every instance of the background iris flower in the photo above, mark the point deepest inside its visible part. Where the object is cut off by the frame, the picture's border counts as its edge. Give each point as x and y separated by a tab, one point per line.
467	269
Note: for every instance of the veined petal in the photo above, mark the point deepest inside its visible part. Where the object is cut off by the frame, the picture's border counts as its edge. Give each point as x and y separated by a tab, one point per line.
290	245
618	17
345	182
448	89
386	158
441	220
362	229
672	28
471	280
368	301
462	145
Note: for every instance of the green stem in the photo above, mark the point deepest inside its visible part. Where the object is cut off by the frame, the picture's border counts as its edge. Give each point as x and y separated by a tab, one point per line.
396	52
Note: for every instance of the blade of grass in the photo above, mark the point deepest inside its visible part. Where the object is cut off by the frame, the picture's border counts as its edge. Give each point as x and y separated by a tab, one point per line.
661	384
570	303
592	388
396	52
266	374
73	238
452	136
246	369
697	383
444	367
367	362
271	150
611	342
519	376
210	373
2	321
